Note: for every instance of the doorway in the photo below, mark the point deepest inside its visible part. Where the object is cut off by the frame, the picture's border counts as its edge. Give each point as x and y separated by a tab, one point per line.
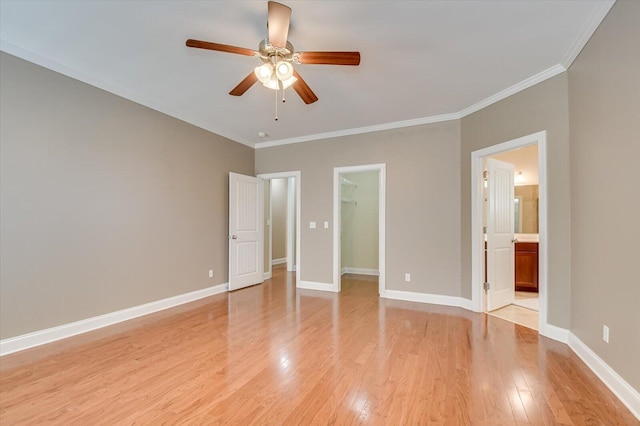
478	158
359	223
282	222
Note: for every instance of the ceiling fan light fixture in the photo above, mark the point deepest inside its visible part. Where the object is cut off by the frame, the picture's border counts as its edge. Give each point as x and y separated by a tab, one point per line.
284	70
264	73
272	83
288	82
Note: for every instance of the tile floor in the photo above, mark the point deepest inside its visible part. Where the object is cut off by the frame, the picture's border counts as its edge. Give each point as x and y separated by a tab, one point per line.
524	311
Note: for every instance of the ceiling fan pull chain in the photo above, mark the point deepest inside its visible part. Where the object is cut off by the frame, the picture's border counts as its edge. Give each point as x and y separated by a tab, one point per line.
276	104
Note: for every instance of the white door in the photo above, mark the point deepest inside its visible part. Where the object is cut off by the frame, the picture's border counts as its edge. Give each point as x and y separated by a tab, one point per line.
246	250
500	236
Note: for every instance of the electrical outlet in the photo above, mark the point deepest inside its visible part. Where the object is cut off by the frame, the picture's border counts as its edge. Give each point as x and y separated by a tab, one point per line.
407	277
605	333
210	273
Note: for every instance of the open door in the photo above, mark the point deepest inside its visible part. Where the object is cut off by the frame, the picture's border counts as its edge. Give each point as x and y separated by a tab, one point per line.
246	250
500	235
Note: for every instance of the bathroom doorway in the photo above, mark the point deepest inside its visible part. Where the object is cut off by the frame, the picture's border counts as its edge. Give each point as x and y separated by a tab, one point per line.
481	283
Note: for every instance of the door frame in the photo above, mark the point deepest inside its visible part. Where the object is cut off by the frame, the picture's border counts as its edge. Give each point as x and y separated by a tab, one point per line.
382	190
296	175
478	299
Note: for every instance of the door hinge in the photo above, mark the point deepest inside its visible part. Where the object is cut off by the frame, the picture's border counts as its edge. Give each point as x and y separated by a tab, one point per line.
485	229
486	286
485	174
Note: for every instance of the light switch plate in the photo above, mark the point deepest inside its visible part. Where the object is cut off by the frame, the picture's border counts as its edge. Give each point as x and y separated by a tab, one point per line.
210	273
326	224
312	225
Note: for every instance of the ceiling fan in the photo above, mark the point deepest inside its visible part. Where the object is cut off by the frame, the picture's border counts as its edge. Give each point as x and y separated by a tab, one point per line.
278	57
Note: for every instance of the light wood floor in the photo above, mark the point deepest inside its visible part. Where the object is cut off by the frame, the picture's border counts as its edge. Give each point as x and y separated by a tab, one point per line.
272	355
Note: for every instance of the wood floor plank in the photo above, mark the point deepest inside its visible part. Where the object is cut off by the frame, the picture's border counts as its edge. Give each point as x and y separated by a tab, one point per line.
272	354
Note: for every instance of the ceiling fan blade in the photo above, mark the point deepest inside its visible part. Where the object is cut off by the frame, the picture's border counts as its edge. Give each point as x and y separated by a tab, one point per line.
278	23
303	90
329	58
244	85
220	47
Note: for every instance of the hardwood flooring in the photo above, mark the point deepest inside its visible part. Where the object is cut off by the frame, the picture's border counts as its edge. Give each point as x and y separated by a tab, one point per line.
271	354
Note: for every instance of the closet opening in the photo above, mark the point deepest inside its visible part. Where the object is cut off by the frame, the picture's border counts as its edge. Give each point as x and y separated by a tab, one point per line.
359	196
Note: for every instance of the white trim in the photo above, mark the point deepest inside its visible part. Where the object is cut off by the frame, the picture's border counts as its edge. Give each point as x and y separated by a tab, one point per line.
45	62
359	271
382	208
41	337
298	177
518	87
556	333
279	261
629	396
583	37
466	304
434	299
291	197
312	285
477	238
266	275
360	130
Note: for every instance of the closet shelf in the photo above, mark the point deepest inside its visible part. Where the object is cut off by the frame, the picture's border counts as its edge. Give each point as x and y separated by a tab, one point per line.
348	200
347	182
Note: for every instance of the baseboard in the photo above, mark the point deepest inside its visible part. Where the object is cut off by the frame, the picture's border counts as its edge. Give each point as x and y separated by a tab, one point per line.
359	271
41	337
311	285
466	304
266	275
556	333
623	390
435	299
278	261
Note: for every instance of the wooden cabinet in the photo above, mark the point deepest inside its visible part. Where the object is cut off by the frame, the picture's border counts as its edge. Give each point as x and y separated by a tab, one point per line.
526	267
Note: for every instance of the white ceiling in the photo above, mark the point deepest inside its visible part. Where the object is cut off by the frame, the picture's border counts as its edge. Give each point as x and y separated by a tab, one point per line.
422	61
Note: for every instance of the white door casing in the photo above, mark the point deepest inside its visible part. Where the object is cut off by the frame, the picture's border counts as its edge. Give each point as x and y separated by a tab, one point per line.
246	235
500	235
382	191
297	187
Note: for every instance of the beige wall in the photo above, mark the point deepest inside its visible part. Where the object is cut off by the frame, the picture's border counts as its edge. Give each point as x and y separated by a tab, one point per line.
544	106
360	221
423	201
105	204
279	218
604	93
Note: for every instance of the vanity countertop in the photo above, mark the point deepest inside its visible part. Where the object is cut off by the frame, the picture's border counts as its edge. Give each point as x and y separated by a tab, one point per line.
527	238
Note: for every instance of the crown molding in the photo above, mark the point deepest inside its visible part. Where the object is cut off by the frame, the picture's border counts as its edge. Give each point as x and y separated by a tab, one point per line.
52	65
518	87
583	37
360	130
